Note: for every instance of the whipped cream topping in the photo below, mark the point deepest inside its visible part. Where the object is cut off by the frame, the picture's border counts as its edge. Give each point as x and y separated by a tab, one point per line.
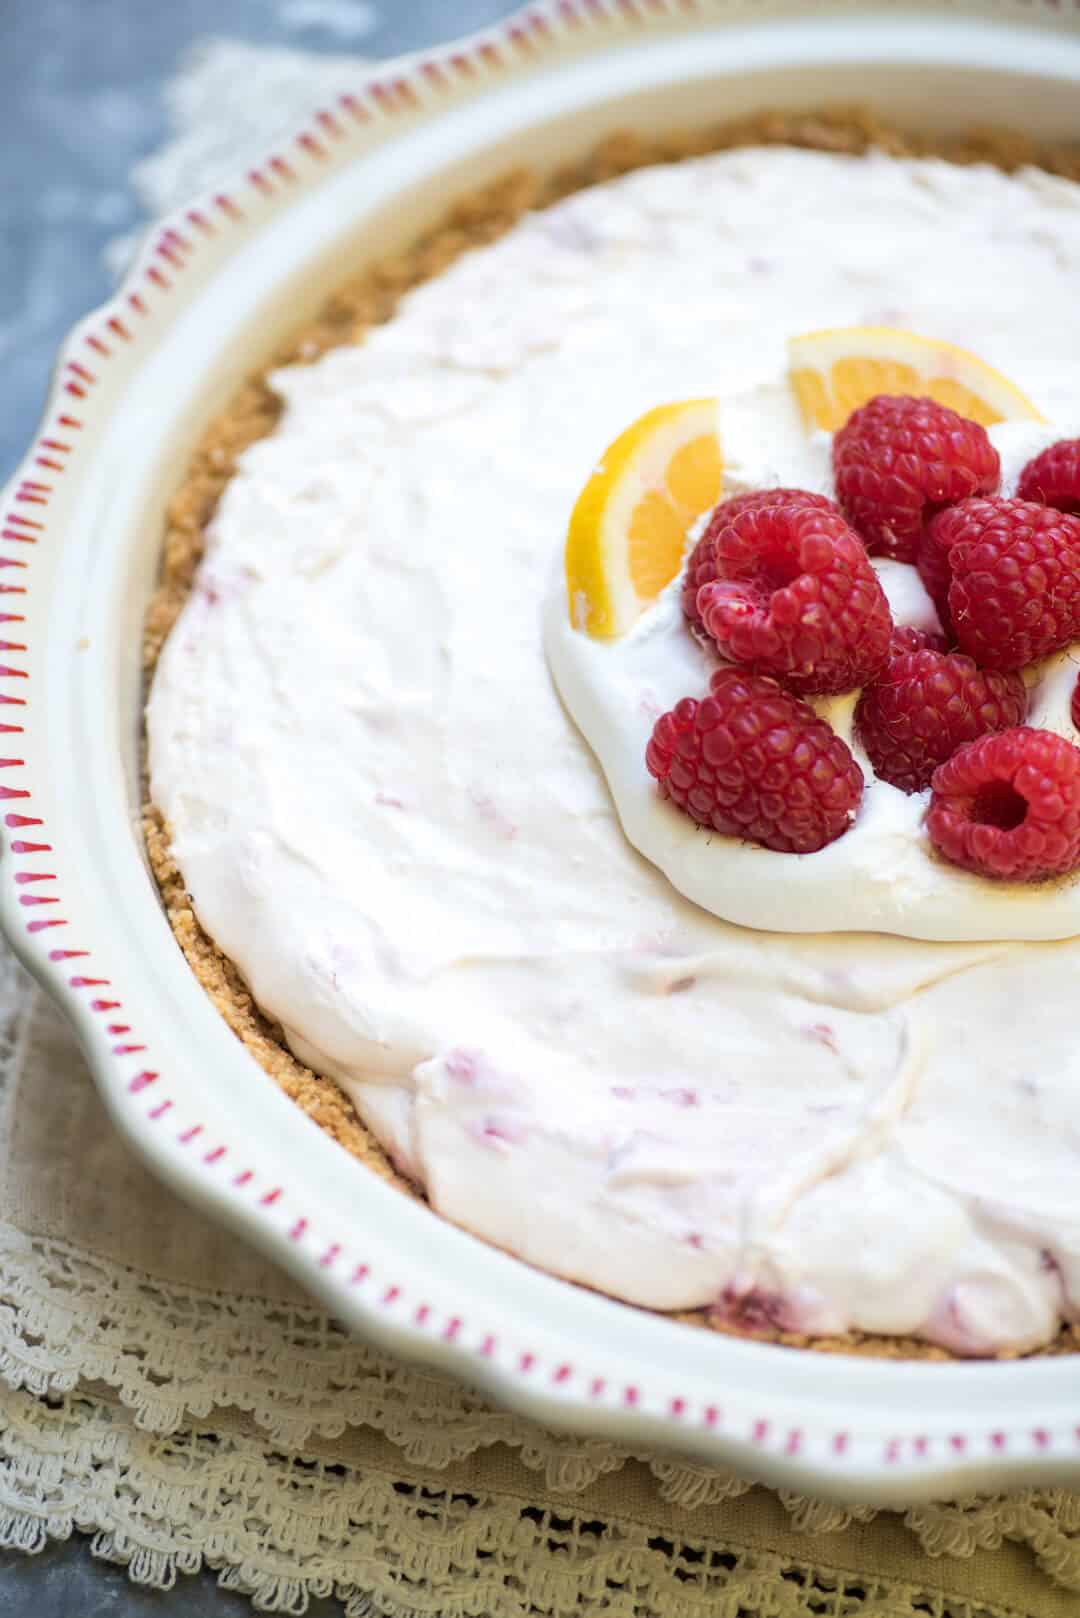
386	817
882	874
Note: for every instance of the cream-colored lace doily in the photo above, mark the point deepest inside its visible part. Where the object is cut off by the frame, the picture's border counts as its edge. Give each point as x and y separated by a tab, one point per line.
180	1399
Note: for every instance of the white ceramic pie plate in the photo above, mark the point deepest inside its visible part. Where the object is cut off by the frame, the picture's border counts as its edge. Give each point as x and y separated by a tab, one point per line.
81	527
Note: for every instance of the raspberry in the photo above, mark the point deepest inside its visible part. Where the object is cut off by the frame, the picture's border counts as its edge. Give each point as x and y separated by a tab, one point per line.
906	638
932	561
751	760
1053	478
1015	590
701	569
897	460
924	705
1009	806
795	596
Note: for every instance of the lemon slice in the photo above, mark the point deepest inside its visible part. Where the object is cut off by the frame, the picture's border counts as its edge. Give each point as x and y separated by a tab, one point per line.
628	528
832	373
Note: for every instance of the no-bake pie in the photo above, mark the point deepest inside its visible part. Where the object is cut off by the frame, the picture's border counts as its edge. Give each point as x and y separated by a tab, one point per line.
457	816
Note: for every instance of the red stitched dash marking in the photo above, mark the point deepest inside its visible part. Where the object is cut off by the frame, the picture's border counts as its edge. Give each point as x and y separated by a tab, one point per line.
200	221
243	1177
297	1230
330	1255
282	167
190	1134
66	954
451	1329
270	1197
127	1050
138	303
43	926
998	1440
35	876
27	539
117	327
227	205
421	1314
892	1451
921	1444
160	1110
391	1295
95	342
491	54
7	793
56	444
13	646
20	845
80	370
712	1416
105	1005
562	1373
326	118
44	460
759	1432
359	1275
487	1347
259	179
30	899
85	983
76	392
462	64
596	1387
159	280
794	1442
526	1362
958	1442
40	499
13	674
118	1028
140	1081
312	145
216	1155
355	108
1041	1438
631	1396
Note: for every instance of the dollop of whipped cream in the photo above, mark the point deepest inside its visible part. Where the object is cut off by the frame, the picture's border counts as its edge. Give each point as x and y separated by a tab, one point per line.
883	874
387	819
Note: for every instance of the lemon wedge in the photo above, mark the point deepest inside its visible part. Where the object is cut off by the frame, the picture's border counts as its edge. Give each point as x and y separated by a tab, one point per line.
832	373
628	528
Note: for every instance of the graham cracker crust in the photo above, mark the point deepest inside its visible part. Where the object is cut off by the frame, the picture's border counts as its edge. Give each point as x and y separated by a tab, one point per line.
368	300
